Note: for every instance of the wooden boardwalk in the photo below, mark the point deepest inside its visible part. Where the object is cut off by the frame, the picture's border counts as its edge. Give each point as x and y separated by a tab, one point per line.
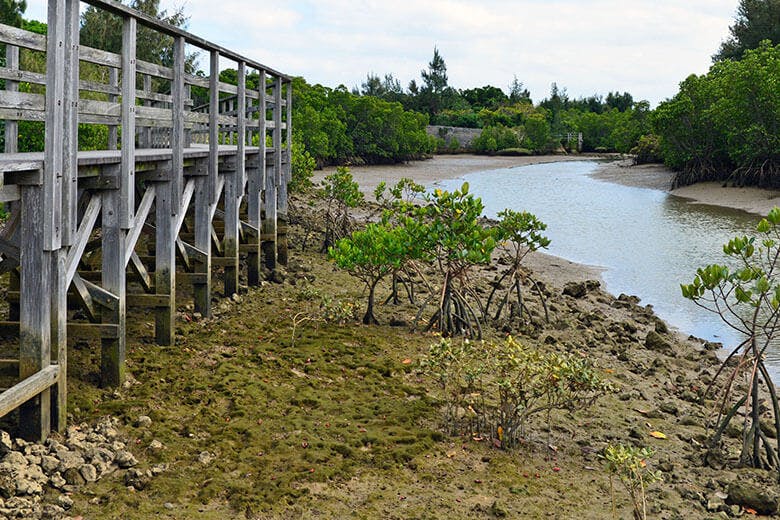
178	194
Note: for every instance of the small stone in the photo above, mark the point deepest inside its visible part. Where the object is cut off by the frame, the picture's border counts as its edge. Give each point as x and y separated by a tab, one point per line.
64	501
660	327
169	506
156	445
74	477
52	511
6	444
16	459
670	408
745	494
89	472
69	460
27	487
205	458
136	479
158	469
654	341
125	459
57	481
575	289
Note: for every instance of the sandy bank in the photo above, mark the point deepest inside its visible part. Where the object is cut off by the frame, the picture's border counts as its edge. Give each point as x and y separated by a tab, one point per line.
438	168
655	176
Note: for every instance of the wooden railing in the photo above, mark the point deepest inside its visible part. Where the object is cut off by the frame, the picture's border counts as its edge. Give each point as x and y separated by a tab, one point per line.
171	194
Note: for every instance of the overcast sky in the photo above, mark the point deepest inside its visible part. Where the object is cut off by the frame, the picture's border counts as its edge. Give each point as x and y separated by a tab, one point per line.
645	47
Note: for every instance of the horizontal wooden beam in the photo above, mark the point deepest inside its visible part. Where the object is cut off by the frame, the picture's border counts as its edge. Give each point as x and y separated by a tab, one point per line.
30	387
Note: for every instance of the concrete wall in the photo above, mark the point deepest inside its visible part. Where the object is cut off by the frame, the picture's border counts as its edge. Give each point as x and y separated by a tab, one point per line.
465	136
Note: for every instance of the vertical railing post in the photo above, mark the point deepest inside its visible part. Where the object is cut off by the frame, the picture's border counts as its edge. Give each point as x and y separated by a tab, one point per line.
11	126
12	146
255	188
145	135
113	130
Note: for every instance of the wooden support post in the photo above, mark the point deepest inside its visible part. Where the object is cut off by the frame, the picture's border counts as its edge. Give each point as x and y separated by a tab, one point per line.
35	316
255	188
59	338
126	205
284	178
177	132
269	204
234	190
112	353
11	127
279	177
202	291
165	262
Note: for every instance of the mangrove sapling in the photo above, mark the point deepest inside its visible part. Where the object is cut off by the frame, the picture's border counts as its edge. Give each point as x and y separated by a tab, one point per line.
370	255
397	204
341	193
629	465
456	241
747	298
518	233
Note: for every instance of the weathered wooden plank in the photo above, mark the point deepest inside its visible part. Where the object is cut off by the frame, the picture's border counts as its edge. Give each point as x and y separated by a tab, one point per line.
70	144
138	225
28	388
186	198
113	130
22	101
148	300
145	137
141	272
82	237
241	130
103	331
21	38
9	193
85	298
127	178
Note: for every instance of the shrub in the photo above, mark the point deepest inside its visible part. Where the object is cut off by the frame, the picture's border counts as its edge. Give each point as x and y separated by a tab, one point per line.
494	138
495	389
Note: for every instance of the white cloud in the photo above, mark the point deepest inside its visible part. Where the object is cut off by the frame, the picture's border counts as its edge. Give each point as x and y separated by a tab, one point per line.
645	47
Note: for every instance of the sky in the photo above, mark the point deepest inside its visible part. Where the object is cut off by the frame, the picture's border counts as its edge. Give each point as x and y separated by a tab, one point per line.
645	47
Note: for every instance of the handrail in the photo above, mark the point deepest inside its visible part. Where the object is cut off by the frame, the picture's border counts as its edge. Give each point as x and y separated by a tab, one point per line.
123	10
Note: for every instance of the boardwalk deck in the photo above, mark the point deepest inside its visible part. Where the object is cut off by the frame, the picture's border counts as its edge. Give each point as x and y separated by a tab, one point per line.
175	192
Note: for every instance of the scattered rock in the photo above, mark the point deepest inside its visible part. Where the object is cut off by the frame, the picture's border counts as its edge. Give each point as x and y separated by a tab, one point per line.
125	459
206	458
143	421
670	408
745	494
89	472
580	289
654	341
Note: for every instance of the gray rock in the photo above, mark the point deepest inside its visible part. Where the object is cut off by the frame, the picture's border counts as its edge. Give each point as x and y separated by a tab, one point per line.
64	501
125	459
89	472
137	478
27	487
745	494
654	341
15	459
57	481
156	445
205	458
6	443
52	511
73	477
670	408
35	473
143	421
69	460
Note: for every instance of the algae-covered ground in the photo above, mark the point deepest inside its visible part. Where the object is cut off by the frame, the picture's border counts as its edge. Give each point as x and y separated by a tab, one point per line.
284	406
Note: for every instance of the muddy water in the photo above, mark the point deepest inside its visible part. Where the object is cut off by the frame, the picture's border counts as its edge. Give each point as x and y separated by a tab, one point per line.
647	241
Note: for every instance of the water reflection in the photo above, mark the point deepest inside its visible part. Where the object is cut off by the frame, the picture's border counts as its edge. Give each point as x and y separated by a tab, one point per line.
648	242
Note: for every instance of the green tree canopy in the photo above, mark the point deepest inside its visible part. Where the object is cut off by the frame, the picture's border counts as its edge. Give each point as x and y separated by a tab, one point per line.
756	20
11	12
